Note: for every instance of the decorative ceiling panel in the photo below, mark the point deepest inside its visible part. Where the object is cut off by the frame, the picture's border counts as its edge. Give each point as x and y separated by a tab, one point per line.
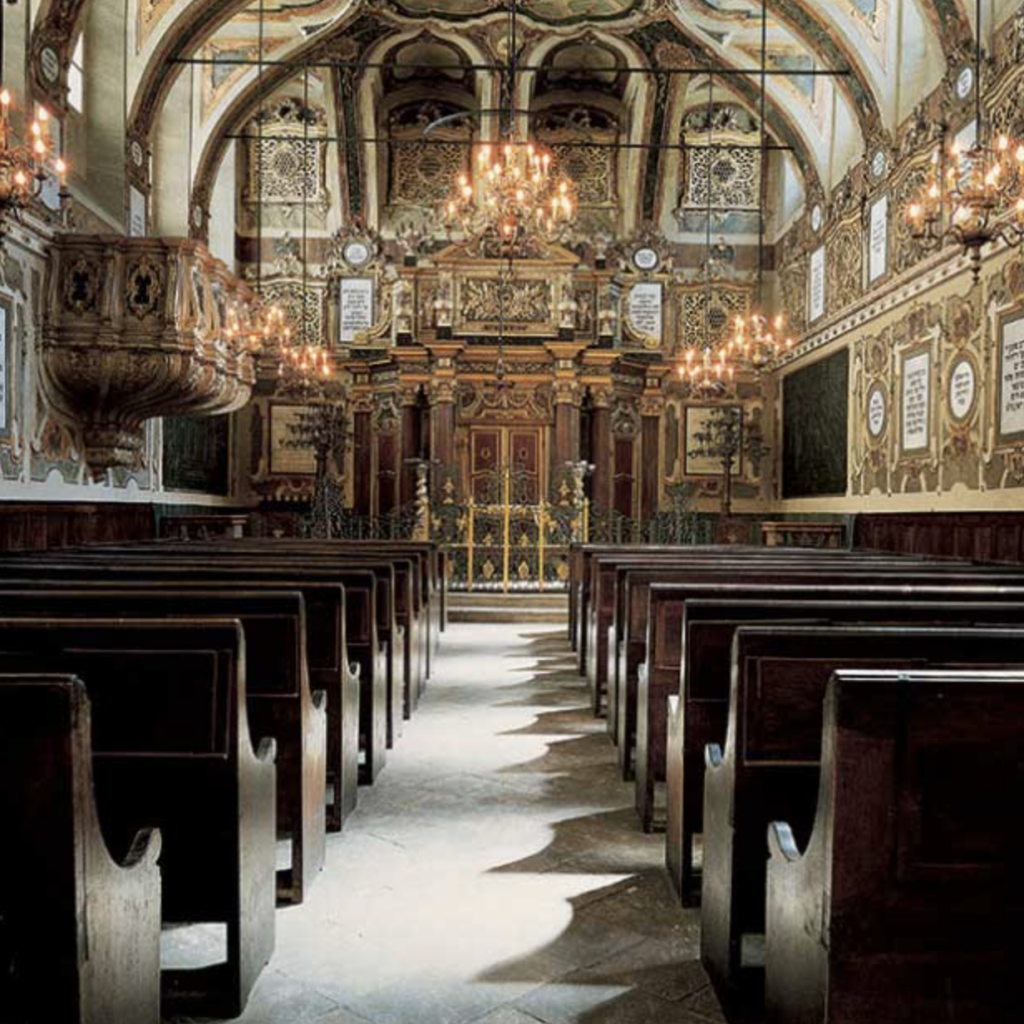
551	11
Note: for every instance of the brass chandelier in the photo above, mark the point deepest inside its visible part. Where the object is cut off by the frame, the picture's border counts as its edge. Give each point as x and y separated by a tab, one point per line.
25	168
511	196
974	195
759	338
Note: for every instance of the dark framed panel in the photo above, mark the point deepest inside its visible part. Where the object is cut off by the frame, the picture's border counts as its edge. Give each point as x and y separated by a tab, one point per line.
815	422
696	418
197	454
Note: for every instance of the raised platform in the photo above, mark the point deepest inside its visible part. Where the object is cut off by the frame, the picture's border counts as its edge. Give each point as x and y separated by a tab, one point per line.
515	608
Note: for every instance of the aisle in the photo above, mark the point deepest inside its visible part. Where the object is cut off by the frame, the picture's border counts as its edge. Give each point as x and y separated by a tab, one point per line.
495	872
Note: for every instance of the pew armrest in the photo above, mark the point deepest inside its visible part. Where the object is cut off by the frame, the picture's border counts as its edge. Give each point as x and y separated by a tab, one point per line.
319	700
144	850
266	751
782	844
713	756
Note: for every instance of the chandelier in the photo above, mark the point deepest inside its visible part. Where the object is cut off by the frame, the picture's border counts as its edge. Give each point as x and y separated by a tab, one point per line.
513	197
758	340
711	374
974	194
303	367
25	168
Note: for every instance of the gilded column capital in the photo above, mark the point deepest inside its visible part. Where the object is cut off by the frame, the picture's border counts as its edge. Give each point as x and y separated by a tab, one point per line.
567	392
652	405
409	394
361	402
442	392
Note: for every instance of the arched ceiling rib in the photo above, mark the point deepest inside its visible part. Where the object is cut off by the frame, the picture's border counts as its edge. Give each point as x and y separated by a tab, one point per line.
661	42
827	31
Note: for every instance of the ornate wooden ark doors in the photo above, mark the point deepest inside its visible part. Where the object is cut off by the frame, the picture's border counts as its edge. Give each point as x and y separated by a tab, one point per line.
517	451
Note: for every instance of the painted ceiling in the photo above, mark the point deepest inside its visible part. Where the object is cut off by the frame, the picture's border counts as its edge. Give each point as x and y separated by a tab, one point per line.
551	11
582	46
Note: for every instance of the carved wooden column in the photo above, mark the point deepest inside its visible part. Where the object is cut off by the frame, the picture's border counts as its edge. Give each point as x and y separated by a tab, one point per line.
625	428
412	412
362	454
566	446
652	406
442	423
442	410
601	446
385	432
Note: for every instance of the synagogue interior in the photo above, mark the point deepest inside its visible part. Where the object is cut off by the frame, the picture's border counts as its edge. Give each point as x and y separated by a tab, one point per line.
511	511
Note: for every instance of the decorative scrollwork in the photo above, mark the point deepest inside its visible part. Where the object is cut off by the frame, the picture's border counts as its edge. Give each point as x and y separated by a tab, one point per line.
144	287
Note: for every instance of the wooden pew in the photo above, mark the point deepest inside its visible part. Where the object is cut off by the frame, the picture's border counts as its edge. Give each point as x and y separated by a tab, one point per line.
769	768
699	714
397	622
419	609
907	900
607	605
280	702
172	750
660	679
330	669
628	630
79	929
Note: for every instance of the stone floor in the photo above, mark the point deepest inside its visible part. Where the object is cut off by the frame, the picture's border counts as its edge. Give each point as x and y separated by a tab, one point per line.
495	873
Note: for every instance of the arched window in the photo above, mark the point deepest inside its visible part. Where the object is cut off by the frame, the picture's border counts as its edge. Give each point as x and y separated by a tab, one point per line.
76	76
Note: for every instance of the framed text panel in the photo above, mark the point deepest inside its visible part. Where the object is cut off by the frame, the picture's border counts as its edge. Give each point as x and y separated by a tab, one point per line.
6	361
1011	377
286	456
916	400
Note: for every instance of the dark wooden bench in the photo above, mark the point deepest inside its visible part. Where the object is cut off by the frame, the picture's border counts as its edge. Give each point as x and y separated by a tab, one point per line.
280	702
580	583
396	624
419	603
79	929
699	714
610	604
769	767
172	750
628	631
330	669
907	900
660	677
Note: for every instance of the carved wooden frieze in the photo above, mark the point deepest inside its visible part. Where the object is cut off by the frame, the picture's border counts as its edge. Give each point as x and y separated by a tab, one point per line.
137	328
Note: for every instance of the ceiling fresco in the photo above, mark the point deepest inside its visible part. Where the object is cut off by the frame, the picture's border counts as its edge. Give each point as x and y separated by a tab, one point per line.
551	11
578	48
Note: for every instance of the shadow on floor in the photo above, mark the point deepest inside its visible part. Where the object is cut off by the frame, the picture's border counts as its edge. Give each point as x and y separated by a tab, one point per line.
635	949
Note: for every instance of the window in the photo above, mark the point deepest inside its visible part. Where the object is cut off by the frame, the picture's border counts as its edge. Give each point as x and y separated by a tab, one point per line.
76	76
